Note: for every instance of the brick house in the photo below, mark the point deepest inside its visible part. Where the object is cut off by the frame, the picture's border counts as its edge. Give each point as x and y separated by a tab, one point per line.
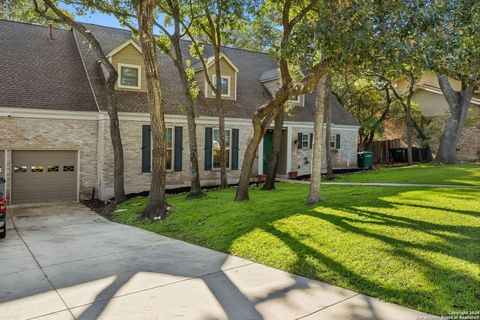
54	131
432	104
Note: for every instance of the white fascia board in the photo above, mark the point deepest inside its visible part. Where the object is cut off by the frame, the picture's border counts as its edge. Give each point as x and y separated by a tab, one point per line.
145	117
439	91
48	114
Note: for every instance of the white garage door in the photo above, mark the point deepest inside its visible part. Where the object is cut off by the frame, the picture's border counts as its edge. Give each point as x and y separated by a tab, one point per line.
42	176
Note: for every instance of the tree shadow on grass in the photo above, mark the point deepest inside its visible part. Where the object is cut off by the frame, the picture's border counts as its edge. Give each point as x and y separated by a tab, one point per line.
454	243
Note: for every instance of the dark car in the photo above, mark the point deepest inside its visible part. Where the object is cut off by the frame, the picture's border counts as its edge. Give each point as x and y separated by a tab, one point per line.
3	211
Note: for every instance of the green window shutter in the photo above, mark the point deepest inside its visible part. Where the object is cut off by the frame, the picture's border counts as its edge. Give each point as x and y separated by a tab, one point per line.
235	148
311	140
299	141
146	148
337	141
177	166
208	149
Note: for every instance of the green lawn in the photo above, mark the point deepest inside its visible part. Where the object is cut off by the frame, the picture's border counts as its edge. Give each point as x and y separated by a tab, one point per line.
460	174
416	247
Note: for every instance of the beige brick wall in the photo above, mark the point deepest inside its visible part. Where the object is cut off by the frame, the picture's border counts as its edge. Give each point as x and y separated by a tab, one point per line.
345	157
60	134
138	181
468	148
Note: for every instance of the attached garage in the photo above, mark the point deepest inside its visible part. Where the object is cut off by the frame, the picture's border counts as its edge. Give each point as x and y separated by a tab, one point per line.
42	176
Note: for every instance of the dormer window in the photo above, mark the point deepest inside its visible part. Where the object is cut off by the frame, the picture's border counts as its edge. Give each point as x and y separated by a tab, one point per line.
294	99
129	76
225	85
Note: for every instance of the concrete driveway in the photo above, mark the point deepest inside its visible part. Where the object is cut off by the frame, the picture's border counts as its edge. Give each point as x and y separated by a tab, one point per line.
66	262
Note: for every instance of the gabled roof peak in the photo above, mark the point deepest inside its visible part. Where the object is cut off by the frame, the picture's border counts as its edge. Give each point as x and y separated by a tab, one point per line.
211	60
124	45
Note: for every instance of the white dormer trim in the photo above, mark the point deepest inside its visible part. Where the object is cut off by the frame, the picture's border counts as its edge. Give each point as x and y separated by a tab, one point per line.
214	79
211	61
124	45
119	80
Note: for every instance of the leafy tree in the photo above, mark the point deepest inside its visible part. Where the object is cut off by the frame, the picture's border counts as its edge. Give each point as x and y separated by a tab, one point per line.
454	44
293	16
369	102
145	11
51	12
24	11
212	20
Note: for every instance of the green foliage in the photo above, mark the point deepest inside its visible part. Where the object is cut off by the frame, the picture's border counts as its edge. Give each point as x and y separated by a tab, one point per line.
412	246
163	43
23	11
453	43
366	100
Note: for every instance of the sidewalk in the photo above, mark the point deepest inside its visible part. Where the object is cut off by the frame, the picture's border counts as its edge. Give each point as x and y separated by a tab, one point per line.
385	184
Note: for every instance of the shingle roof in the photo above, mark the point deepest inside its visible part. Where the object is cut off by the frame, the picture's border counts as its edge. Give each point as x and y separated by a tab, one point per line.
40	73
250	91
270	74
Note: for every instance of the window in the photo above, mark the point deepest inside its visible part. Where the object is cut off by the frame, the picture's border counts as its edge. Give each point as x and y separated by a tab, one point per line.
335	141
129	76
305	141
169	149
225	85
216	148
36	168
68	168
294	99
169	155
332	141
18	169
53	168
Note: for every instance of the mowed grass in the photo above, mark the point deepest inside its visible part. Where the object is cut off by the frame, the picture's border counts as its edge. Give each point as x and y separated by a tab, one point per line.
457	174
416	247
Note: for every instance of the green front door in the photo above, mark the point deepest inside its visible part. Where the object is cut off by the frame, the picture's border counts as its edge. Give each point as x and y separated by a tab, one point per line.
267	149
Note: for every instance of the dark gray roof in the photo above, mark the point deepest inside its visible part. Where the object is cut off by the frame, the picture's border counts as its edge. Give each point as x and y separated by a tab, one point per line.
39	73
251	93
270	75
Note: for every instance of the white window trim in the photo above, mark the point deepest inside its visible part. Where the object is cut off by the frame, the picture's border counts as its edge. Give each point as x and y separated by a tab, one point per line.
333	138
299	100
214	77
229	151
308	140
173	151
119	81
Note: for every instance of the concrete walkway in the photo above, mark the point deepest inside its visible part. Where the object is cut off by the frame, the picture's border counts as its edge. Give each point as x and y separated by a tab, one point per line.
66	262
385	184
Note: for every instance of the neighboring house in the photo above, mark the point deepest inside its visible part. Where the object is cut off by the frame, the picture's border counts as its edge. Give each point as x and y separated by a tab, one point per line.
432	104
54	131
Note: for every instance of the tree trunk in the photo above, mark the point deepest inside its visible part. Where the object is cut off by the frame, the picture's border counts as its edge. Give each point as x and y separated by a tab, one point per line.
328	136
277	143
409	134
195	189
221	120
459	103
157	205
407	106
265	114
324	88
261	120
112	102
115	137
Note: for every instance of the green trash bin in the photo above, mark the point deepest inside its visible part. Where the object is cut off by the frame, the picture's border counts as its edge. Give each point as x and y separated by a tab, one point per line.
399	154
365	160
